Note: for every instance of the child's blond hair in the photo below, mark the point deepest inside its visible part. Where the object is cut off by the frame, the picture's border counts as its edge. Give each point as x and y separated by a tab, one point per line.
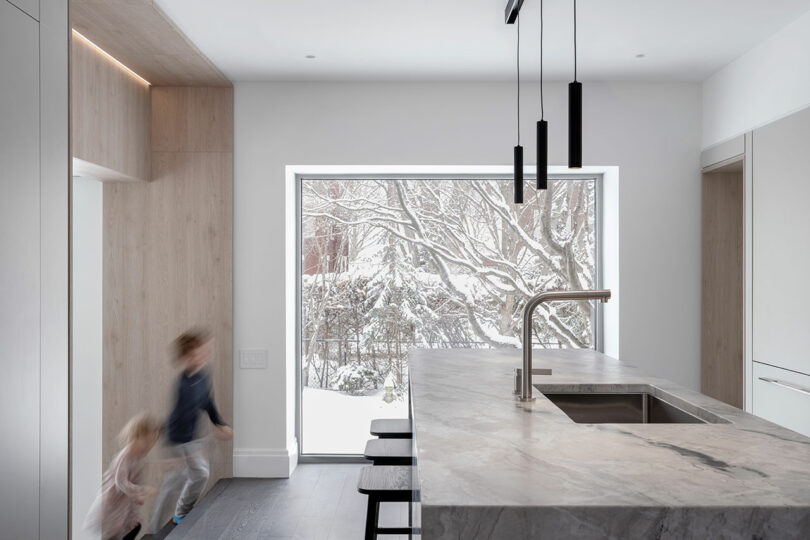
140	426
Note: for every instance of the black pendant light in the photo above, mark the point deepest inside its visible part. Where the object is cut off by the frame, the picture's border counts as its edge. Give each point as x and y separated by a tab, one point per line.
518	148
575	111
542	125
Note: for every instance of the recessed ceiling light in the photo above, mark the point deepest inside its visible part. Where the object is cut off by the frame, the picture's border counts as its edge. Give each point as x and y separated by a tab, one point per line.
640	55
310	56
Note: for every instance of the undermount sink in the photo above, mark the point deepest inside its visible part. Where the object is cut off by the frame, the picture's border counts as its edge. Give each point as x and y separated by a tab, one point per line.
643	407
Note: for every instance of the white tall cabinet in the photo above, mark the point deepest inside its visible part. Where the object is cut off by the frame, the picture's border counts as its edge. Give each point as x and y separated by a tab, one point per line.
34	176
19	273
781	261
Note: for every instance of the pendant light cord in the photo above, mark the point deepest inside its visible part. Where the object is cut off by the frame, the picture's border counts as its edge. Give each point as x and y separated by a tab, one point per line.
575	40
542	108
518	79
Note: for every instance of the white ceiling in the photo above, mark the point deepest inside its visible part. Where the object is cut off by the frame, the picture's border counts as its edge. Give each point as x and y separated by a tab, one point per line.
258	40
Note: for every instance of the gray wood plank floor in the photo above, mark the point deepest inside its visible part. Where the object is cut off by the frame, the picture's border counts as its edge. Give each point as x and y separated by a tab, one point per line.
319	502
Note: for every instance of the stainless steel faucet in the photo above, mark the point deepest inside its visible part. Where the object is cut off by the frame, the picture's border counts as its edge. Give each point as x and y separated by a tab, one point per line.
528	313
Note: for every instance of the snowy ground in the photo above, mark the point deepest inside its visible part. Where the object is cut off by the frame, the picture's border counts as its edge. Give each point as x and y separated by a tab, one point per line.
337	423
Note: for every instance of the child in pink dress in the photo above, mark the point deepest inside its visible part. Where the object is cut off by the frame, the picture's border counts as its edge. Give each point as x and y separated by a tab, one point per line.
115	512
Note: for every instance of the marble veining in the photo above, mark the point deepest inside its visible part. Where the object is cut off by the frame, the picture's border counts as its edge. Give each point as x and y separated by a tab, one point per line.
493	468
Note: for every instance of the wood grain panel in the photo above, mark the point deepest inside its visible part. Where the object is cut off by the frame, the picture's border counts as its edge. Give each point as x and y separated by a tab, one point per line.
110	115
140	35
722	323
175	127
167	267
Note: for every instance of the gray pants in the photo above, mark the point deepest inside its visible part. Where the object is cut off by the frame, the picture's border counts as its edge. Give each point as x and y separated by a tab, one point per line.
188	477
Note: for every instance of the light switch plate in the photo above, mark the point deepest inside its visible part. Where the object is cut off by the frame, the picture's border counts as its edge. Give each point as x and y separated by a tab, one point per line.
253	359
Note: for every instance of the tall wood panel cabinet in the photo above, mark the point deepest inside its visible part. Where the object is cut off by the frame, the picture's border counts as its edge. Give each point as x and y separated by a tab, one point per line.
781	248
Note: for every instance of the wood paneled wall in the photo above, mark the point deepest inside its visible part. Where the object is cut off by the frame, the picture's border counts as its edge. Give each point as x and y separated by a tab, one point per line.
141	36
722	295
168	262
110	116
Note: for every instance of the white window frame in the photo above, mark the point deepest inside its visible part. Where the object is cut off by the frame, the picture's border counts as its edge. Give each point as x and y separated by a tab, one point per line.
606	188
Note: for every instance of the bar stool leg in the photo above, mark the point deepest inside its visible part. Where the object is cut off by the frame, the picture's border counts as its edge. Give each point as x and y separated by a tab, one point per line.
372	515
410	519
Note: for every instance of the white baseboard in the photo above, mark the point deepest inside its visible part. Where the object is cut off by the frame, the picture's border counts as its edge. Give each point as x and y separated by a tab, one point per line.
265	462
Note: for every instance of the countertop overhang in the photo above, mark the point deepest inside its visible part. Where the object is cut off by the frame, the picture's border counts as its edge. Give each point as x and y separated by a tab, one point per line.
492	467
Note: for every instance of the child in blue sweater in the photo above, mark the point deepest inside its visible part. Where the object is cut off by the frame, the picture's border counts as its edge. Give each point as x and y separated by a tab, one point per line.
193	396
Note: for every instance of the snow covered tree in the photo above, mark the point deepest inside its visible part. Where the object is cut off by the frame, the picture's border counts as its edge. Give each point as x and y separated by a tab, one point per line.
395	264
479	244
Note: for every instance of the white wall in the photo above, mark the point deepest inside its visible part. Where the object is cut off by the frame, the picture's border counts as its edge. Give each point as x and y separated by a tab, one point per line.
87	226
651	131
770	81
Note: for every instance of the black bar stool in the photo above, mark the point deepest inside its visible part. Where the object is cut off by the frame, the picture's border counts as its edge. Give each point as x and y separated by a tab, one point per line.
392	428
389	451
386	484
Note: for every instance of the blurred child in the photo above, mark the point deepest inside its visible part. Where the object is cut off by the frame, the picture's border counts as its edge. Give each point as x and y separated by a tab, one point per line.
115	511
192	397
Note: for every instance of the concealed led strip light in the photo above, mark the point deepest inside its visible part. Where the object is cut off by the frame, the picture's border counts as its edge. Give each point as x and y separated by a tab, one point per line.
111	58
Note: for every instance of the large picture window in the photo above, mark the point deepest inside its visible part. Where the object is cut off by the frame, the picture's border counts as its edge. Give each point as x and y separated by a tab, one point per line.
391	264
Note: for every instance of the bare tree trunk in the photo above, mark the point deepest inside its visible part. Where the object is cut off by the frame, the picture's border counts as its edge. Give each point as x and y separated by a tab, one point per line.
374	364
398	338
323	372
325	365
340	342
326	373
305	375
388	346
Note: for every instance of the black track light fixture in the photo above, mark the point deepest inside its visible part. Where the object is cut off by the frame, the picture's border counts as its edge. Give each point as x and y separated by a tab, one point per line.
518	174
542	125
518	157
512	10
512	16
542	154
575	111
575	125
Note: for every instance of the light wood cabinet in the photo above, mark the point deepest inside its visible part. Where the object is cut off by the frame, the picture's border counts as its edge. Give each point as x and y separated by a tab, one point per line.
110	111
781	240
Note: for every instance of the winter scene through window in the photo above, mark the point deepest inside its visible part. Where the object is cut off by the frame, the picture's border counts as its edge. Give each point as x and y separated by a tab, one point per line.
389	265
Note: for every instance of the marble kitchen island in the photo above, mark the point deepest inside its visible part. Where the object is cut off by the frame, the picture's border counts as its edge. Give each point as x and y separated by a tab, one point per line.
490	467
